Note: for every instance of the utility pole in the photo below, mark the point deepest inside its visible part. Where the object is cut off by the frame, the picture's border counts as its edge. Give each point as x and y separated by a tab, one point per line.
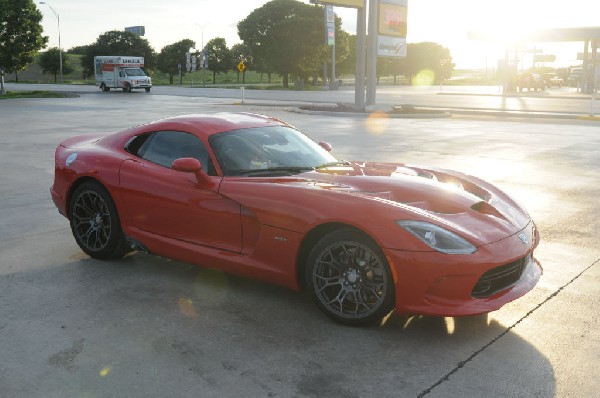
359	84
372	52
204	55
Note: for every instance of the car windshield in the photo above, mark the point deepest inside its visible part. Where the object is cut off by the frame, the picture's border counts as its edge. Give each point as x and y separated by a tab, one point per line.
264	151
134	72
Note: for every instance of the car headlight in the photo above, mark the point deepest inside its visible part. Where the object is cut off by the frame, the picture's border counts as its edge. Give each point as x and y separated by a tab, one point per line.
437	238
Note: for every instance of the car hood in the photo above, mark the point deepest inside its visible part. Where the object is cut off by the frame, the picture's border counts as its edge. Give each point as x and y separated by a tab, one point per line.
459	202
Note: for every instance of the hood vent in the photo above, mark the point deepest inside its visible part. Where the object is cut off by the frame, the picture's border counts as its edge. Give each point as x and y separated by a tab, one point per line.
486	208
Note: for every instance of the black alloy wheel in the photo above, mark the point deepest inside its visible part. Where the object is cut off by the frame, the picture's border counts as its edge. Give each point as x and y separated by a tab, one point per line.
95	223
349	278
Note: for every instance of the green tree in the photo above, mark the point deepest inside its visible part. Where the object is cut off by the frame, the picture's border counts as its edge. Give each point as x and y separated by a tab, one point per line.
20	34
49	61
79	50
116	42
347	65
172	56
382	67
427	56
345	48
241	53
395	67
287	36
219	57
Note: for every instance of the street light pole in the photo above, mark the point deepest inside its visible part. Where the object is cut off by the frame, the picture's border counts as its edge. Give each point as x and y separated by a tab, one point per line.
59	47
203	53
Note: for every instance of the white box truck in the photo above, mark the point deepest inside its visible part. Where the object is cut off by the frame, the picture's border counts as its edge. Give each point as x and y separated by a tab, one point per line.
121	72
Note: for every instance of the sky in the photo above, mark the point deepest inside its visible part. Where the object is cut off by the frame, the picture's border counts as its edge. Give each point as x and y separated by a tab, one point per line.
441	21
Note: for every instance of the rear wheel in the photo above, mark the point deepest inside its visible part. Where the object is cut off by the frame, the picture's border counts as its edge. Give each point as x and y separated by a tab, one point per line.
104	88
349	278
95	223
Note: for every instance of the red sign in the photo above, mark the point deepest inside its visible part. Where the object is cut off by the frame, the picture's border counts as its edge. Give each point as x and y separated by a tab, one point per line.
392	19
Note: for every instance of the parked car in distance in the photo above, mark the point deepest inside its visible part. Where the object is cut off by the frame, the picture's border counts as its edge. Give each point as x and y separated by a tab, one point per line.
530	81
553	80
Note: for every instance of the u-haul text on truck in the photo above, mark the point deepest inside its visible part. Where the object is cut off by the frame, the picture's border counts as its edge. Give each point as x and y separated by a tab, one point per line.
121	72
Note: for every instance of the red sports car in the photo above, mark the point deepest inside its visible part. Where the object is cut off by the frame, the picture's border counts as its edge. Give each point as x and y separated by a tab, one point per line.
251	195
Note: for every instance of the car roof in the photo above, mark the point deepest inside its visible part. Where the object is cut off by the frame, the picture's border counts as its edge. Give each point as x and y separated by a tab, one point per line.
205	125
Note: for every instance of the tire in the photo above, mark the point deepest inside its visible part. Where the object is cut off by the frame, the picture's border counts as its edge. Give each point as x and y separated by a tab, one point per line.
147	89
95	223
349	278
104	88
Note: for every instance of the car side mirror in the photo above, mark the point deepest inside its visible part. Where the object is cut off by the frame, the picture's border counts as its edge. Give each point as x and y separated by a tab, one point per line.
190	165
325	145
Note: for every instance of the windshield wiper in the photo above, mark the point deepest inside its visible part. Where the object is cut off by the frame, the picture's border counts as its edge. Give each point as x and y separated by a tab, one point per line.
331	164
289	170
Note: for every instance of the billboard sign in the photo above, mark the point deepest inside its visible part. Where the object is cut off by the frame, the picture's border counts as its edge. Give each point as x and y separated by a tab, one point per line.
343	3
330	25
391	28
388	46
138	30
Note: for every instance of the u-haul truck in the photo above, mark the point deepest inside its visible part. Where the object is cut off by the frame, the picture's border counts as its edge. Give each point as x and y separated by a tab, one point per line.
121	72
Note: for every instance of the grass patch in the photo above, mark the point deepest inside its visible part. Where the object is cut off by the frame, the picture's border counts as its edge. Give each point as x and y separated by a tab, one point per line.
36	94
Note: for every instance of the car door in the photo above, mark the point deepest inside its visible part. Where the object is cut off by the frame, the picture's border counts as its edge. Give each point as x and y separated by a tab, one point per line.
174	204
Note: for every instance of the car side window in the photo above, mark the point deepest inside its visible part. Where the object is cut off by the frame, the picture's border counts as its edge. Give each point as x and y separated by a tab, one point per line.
163	147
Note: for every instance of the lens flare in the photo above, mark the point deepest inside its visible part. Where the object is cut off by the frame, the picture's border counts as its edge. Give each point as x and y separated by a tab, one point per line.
377	123
186	306
426	77
210	286
105	371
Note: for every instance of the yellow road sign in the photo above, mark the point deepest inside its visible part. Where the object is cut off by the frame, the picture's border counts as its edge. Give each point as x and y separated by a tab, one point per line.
241	67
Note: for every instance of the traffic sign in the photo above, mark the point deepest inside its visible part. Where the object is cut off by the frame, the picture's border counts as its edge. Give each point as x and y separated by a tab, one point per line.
241	66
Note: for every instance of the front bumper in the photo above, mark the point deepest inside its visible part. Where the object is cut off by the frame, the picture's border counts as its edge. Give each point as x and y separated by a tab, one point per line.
432	283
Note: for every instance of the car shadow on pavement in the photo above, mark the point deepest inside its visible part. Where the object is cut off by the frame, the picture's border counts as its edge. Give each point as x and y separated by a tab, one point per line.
148	326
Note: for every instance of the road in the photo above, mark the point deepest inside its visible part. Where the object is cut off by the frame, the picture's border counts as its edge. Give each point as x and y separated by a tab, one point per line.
144	326
564	101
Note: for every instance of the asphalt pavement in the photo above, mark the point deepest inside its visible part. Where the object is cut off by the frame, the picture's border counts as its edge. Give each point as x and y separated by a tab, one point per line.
145	326
563	102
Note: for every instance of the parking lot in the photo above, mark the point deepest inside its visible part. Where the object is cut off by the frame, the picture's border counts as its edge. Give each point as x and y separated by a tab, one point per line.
144	326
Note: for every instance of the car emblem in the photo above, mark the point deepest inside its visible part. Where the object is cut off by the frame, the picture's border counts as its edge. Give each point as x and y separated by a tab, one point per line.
524	238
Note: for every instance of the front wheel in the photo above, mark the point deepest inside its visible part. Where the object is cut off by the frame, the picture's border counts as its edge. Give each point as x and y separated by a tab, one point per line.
349	278
147	89
95	223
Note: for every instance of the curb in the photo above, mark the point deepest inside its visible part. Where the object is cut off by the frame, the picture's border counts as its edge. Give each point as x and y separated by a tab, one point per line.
589	117
437	114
